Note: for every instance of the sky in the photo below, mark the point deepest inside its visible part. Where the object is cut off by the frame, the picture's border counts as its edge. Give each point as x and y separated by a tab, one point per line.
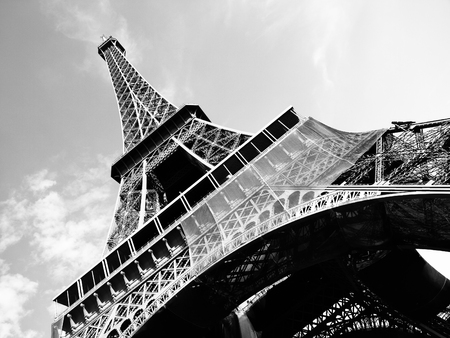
354	65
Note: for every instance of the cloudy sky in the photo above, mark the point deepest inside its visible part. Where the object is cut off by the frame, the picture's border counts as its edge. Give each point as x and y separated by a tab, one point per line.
355	65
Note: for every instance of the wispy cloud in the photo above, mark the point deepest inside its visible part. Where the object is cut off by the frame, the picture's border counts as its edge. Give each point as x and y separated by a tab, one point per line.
64	218
330	23
13	217
87	21
324	25
15	290
269	16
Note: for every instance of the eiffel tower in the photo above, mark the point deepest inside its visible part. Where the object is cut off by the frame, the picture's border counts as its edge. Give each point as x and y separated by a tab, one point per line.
299	230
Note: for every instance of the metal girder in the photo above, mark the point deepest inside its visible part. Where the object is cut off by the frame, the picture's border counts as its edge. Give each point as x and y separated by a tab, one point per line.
269	231
149	294
143	110
357	311
413	155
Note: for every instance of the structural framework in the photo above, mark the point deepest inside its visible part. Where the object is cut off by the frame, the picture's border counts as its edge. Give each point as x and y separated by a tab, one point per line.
299	230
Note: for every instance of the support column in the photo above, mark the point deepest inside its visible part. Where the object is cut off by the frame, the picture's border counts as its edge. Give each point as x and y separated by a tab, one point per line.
379	166
143	195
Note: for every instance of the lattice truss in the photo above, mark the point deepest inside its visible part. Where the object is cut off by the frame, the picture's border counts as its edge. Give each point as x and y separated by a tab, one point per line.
142	109
408	154
352	313
131	311
298	160
329	306
325	305
271	191
141	194
358	310
213	143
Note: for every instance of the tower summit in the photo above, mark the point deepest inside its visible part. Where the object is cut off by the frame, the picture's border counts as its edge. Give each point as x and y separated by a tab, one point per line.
142	109
107	43
299	230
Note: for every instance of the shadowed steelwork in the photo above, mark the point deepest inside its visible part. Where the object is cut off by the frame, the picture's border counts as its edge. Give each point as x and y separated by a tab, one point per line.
300	230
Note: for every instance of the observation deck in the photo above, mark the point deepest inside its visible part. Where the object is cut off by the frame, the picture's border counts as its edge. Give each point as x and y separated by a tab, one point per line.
107	44
147	251
155	140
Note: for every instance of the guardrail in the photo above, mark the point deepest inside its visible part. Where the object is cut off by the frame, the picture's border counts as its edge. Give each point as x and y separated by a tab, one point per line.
319	204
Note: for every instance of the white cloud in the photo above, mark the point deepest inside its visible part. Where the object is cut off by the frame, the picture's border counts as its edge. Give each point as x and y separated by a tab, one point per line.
39	181
64	220
61	222
15	212
15	291
13	216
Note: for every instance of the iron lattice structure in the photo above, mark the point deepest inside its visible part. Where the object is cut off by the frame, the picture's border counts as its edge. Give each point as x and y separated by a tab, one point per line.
300	230
142	110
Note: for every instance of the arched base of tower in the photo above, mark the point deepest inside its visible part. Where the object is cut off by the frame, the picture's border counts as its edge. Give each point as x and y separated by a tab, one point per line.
326	299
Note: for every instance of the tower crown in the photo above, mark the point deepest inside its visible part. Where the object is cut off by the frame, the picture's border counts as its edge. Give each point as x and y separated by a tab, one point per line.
107	43
142	109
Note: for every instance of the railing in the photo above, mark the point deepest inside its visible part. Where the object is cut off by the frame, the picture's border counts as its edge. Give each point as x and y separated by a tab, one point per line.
316	205
335	196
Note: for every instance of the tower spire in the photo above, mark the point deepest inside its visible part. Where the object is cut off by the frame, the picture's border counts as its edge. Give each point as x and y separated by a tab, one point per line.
142	109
